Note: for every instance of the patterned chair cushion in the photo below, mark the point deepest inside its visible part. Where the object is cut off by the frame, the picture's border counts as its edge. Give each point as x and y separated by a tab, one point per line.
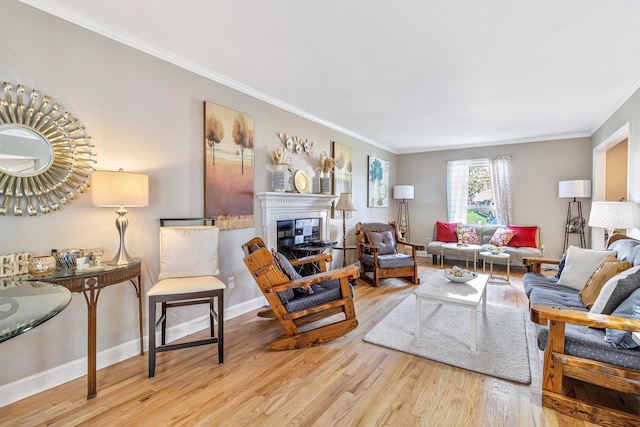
390	261
289	271
322	292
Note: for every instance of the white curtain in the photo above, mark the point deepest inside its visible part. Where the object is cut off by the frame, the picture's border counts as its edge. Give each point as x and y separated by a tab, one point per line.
458	190
500	168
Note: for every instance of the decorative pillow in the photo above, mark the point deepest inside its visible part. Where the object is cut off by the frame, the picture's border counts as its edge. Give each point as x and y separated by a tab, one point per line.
188	251
561	264
446	232
579	266
469	236
524	237
383	240
609	267
629	308
616	290
289	271
502	237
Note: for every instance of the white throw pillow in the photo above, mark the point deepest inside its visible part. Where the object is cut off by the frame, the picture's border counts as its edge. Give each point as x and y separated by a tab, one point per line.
188	251
608	288
579	265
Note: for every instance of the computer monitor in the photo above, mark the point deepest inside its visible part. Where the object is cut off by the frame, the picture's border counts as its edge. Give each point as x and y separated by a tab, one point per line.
306	230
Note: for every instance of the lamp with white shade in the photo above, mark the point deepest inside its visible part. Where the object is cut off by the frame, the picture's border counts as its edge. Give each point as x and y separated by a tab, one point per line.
574	189
120	189
612	216
345	204
403	193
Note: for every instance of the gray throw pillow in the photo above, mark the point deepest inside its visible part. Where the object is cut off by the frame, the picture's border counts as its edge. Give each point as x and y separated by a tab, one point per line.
623	289
287	268
383	240
629	308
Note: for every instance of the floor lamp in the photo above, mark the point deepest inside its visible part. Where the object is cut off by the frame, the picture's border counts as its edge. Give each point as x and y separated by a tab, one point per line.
345	205
120	189
580	188
403	193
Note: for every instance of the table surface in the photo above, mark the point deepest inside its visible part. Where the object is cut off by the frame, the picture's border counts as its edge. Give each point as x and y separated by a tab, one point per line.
468	247
492	255
27	304
438	288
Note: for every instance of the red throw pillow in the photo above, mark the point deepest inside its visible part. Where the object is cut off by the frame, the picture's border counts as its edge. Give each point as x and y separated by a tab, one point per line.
446	232
524	237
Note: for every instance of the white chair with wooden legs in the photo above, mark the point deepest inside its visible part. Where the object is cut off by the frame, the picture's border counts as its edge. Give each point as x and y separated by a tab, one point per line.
188	270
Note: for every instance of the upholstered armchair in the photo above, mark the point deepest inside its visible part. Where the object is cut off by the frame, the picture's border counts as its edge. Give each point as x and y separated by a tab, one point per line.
379	254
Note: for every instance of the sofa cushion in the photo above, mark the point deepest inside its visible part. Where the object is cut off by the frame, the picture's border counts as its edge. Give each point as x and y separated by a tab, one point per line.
446	232
616	290
589	343
501	237
384	240
525	236
608	268
630	309
561	264
567	298
579	266
537	280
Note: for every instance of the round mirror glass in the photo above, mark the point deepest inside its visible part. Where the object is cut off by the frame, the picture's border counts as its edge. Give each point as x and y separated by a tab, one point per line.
23	151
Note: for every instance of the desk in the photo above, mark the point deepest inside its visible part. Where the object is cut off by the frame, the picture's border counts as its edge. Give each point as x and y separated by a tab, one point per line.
308	249
25	305
89	283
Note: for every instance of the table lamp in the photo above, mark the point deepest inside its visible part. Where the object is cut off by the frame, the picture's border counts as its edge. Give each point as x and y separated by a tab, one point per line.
611	215
403	193
120	189
345	205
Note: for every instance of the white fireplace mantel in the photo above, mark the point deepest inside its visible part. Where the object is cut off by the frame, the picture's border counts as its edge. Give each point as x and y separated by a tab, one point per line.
283	206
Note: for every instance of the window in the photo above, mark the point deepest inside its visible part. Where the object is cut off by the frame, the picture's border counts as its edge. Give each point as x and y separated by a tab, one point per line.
479	191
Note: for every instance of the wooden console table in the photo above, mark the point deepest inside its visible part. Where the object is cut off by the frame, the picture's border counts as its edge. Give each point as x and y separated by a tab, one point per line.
89	283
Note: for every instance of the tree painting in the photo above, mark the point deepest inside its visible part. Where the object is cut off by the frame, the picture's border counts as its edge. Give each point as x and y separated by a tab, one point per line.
229	167
213	133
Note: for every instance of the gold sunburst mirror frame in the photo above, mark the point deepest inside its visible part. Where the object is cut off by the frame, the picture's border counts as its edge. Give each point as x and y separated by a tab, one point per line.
45	153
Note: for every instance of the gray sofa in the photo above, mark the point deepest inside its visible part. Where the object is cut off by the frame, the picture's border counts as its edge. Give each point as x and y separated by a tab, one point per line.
485	232
574	340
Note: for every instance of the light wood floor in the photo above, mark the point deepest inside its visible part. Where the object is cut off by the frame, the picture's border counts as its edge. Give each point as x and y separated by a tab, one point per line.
343	383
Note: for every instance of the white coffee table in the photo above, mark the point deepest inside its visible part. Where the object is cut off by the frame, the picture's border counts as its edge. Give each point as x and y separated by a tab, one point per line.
472	294
462	249
501	257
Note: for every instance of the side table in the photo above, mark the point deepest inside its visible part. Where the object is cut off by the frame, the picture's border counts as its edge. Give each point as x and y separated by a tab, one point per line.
466	250
491	257
344	250
89	283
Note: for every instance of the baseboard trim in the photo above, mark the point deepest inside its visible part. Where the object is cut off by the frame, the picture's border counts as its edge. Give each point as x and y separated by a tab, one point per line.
25	387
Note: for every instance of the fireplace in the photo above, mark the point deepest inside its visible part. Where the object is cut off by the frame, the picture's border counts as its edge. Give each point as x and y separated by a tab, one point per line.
291	206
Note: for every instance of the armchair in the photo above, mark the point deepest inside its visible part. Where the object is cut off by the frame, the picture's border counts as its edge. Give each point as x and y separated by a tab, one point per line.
378	253
296	301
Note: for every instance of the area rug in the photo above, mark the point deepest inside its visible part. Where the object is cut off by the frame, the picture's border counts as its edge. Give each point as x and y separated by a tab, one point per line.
502	349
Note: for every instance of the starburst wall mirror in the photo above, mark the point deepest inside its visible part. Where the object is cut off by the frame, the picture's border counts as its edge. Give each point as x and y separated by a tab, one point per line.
46	156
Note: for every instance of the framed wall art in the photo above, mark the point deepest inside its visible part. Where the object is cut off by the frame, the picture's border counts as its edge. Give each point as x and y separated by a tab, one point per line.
228	167
343	169
378	188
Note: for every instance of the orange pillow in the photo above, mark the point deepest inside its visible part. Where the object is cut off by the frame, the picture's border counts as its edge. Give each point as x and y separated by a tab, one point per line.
609	267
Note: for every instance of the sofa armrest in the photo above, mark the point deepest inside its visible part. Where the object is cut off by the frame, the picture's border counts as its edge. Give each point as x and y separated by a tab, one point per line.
534	265
540	314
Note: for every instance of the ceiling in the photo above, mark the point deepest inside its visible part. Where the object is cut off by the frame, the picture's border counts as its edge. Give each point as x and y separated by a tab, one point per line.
408	76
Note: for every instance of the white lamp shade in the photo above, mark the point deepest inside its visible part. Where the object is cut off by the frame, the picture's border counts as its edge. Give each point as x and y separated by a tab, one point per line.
403	192
345	203
575	188
118	188
611	215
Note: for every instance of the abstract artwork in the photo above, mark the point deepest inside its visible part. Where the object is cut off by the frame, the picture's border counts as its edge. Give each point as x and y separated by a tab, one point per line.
229	168
378	189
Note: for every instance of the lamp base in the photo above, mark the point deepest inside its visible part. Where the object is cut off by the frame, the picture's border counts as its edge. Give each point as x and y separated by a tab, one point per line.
122	256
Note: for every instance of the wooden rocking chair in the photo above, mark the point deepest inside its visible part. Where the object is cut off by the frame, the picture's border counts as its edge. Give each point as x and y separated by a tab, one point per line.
300	301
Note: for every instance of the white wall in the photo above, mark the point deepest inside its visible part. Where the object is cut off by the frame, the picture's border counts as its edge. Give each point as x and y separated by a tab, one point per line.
537	168
144	115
